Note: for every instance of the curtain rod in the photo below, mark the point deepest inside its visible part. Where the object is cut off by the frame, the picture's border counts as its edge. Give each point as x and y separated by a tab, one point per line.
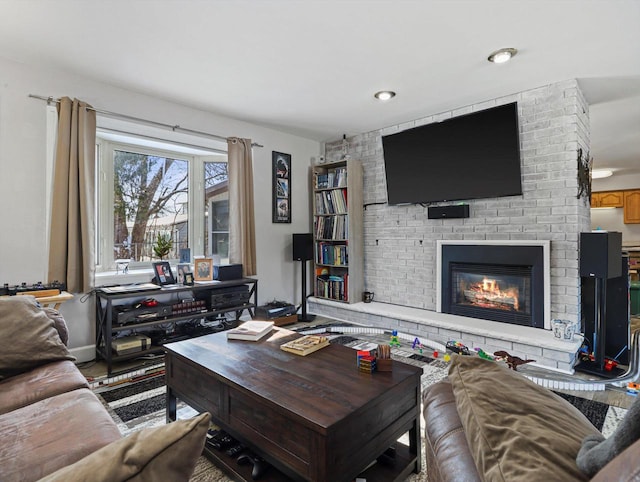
174	128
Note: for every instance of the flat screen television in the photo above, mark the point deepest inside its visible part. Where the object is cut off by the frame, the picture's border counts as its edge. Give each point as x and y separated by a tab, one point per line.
473	156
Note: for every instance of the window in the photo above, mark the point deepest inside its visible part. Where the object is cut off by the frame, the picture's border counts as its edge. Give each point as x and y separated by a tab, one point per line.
217	210
149	201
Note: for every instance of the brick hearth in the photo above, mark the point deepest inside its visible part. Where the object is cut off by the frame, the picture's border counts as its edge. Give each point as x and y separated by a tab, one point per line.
527	343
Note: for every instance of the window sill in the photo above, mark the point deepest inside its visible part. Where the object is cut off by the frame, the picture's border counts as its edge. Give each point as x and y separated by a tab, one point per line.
132	276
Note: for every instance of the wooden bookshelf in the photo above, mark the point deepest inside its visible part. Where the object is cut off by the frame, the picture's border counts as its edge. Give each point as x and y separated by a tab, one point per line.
338	231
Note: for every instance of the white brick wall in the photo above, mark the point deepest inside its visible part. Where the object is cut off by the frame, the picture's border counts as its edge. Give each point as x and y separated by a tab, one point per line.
400	241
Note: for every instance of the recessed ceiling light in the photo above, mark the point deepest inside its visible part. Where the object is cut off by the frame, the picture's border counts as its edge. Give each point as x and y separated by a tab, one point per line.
384	95
600	173
501	56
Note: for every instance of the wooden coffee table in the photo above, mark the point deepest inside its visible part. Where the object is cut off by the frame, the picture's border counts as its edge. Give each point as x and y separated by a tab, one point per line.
313	418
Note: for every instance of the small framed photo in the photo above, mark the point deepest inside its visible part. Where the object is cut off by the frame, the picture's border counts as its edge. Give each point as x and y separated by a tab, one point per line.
181	270
162	273
281	187
203	269
188	279
185	255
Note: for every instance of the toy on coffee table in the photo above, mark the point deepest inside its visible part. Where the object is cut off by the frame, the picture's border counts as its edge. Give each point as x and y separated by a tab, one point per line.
394	339
366	361
383	362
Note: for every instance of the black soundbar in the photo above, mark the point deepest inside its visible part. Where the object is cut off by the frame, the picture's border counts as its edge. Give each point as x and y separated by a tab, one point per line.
448	212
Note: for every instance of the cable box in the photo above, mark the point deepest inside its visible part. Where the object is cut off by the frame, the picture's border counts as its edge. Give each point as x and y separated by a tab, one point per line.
125	314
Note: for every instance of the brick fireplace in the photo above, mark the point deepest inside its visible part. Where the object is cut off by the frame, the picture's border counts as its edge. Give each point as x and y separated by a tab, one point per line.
401	243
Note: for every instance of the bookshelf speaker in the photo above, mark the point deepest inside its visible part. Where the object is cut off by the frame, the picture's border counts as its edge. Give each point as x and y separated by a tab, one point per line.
600	254
302	247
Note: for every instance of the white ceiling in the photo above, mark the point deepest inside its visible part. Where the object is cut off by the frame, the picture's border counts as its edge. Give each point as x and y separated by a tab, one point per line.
311	67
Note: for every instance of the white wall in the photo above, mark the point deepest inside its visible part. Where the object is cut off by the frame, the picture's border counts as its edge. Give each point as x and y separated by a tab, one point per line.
22	181
613	219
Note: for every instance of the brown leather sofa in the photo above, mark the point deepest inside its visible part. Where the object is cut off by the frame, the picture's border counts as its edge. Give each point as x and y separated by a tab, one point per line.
486	422
53	428
49	418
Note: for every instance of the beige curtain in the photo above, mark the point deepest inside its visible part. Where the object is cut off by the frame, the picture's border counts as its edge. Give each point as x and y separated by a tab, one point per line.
242	228
71	250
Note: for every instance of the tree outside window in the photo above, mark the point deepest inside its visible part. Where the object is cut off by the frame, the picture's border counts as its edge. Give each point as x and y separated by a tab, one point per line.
150	204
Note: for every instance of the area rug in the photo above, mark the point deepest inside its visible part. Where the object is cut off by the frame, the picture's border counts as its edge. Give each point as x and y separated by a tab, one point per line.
139	405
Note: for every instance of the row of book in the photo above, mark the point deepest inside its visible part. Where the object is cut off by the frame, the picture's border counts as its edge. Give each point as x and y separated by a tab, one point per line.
331	202
332	254
332	178
332	286
332	227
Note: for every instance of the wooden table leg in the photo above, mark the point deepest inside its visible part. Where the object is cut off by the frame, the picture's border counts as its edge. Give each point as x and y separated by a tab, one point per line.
171	406
415	444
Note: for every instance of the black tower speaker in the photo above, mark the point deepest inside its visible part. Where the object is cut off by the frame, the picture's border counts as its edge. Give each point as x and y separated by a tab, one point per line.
600	253
600	259
303	252
302	247
616	315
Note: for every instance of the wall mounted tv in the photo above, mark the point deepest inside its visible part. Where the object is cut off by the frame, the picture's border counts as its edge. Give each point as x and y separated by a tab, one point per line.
468	157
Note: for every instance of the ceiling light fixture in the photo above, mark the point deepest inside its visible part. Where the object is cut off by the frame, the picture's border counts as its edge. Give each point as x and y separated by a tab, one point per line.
384	95
601	173
501	56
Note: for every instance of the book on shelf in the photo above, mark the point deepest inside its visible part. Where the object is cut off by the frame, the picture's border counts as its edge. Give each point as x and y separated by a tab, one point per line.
250	330
305	345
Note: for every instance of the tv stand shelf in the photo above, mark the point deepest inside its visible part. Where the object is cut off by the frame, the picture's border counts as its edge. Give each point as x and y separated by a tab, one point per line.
107	330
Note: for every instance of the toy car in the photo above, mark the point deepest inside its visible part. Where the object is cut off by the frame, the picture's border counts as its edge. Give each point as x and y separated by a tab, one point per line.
457	347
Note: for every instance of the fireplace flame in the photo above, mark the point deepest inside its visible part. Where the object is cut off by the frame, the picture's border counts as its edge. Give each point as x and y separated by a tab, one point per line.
488	294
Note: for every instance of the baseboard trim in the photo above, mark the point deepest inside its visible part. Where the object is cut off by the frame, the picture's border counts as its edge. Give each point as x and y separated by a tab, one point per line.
84	353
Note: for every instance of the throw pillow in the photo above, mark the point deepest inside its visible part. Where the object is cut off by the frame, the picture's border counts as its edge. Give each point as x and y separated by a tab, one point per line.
596	451
28	337
517	430
168	452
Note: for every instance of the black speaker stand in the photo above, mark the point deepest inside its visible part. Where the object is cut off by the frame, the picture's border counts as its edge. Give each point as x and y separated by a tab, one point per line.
304	316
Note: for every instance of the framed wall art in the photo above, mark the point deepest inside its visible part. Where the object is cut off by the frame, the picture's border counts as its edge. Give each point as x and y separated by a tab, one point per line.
281	187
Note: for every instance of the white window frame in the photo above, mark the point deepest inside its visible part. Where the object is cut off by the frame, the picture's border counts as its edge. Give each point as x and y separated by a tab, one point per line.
105	261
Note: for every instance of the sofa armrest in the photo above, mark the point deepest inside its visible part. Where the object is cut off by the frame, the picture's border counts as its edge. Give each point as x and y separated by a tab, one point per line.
59	323
624	468
447	451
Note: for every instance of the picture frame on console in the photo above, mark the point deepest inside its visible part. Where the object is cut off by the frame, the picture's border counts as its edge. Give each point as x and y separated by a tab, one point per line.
281	187
163	274
203	269
181	270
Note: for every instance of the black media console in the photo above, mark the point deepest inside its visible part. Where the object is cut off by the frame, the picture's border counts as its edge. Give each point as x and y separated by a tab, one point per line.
141	321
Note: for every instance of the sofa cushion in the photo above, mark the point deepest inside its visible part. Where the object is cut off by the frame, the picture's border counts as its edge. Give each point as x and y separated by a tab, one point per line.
168	452
517	430
40	383
58	323
28	337
50	434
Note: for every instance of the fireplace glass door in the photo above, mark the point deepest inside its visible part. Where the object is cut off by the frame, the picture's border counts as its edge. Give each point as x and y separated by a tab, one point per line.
492	292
